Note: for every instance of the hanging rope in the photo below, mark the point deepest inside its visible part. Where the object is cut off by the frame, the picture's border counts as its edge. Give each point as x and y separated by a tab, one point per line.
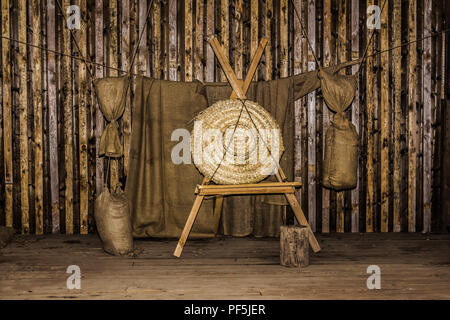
377	52
244	106
229	143
55	52
302	28
76	44
370	40
92	77
259	134
140	37
137	47
305	34
135	51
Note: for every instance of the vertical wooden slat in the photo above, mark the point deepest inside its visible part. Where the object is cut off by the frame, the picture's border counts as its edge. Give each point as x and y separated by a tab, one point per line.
188	53
370	141
99	73
22	63
198	56
209	72
376	130
384	119
114	63
82	122
444	39
419	117
445	89
7	113
125	39
298	103
165	39
238	42
397	78
413	129
355	26
342	57
437	114
268	35
125	61
173	48
37	105
325	111
428	142
224	31
53	117
284	61
254	22
311	120
156	39
303	13
443	83
90	120
143	65
68	121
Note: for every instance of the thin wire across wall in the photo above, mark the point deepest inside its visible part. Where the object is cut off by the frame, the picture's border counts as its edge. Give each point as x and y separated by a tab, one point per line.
305	34
89	62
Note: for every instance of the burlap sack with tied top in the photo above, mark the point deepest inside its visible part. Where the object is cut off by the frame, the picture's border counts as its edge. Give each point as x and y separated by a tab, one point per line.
341	144
112	211
111	95
112	216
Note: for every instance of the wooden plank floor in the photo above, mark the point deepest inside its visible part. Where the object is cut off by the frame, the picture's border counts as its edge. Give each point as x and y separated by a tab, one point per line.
413	266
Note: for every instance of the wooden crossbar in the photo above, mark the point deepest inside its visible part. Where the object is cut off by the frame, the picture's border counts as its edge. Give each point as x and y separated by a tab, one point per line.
257	188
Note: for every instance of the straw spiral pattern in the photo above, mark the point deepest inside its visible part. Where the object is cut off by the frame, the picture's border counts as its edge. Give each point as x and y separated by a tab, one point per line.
230	154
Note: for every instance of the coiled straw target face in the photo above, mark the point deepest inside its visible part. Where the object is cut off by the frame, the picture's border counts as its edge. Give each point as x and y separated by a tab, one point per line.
229	151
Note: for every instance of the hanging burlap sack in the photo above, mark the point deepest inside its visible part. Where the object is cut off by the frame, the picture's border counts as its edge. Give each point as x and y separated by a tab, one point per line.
341	155
112	212
112	216
341	144
111	94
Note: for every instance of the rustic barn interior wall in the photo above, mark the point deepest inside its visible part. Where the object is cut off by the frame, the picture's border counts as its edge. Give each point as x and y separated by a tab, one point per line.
50	171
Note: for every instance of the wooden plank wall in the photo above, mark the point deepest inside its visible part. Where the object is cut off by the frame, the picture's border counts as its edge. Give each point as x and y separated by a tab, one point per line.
51	124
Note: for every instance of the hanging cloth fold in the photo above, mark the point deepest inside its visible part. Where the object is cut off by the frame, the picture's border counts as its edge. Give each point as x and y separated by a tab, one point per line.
111	94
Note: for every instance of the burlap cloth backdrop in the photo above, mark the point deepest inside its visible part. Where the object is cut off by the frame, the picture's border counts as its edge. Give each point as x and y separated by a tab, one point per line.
161	193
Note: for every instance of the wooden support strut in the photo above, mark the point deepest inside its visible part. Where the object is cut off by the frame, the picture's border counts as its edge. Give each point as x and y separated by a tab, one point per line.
288	188
246	84
256	188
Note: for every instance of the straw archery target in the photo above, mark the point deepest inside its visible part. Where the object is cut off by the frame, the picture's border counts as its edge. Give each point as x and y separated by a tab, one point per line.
229	151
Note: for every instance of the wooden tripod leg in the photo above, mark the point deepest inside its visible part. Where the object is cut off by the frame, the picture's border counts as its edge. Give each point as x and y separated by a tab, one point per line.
217	212
298	212
302	220
188	226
